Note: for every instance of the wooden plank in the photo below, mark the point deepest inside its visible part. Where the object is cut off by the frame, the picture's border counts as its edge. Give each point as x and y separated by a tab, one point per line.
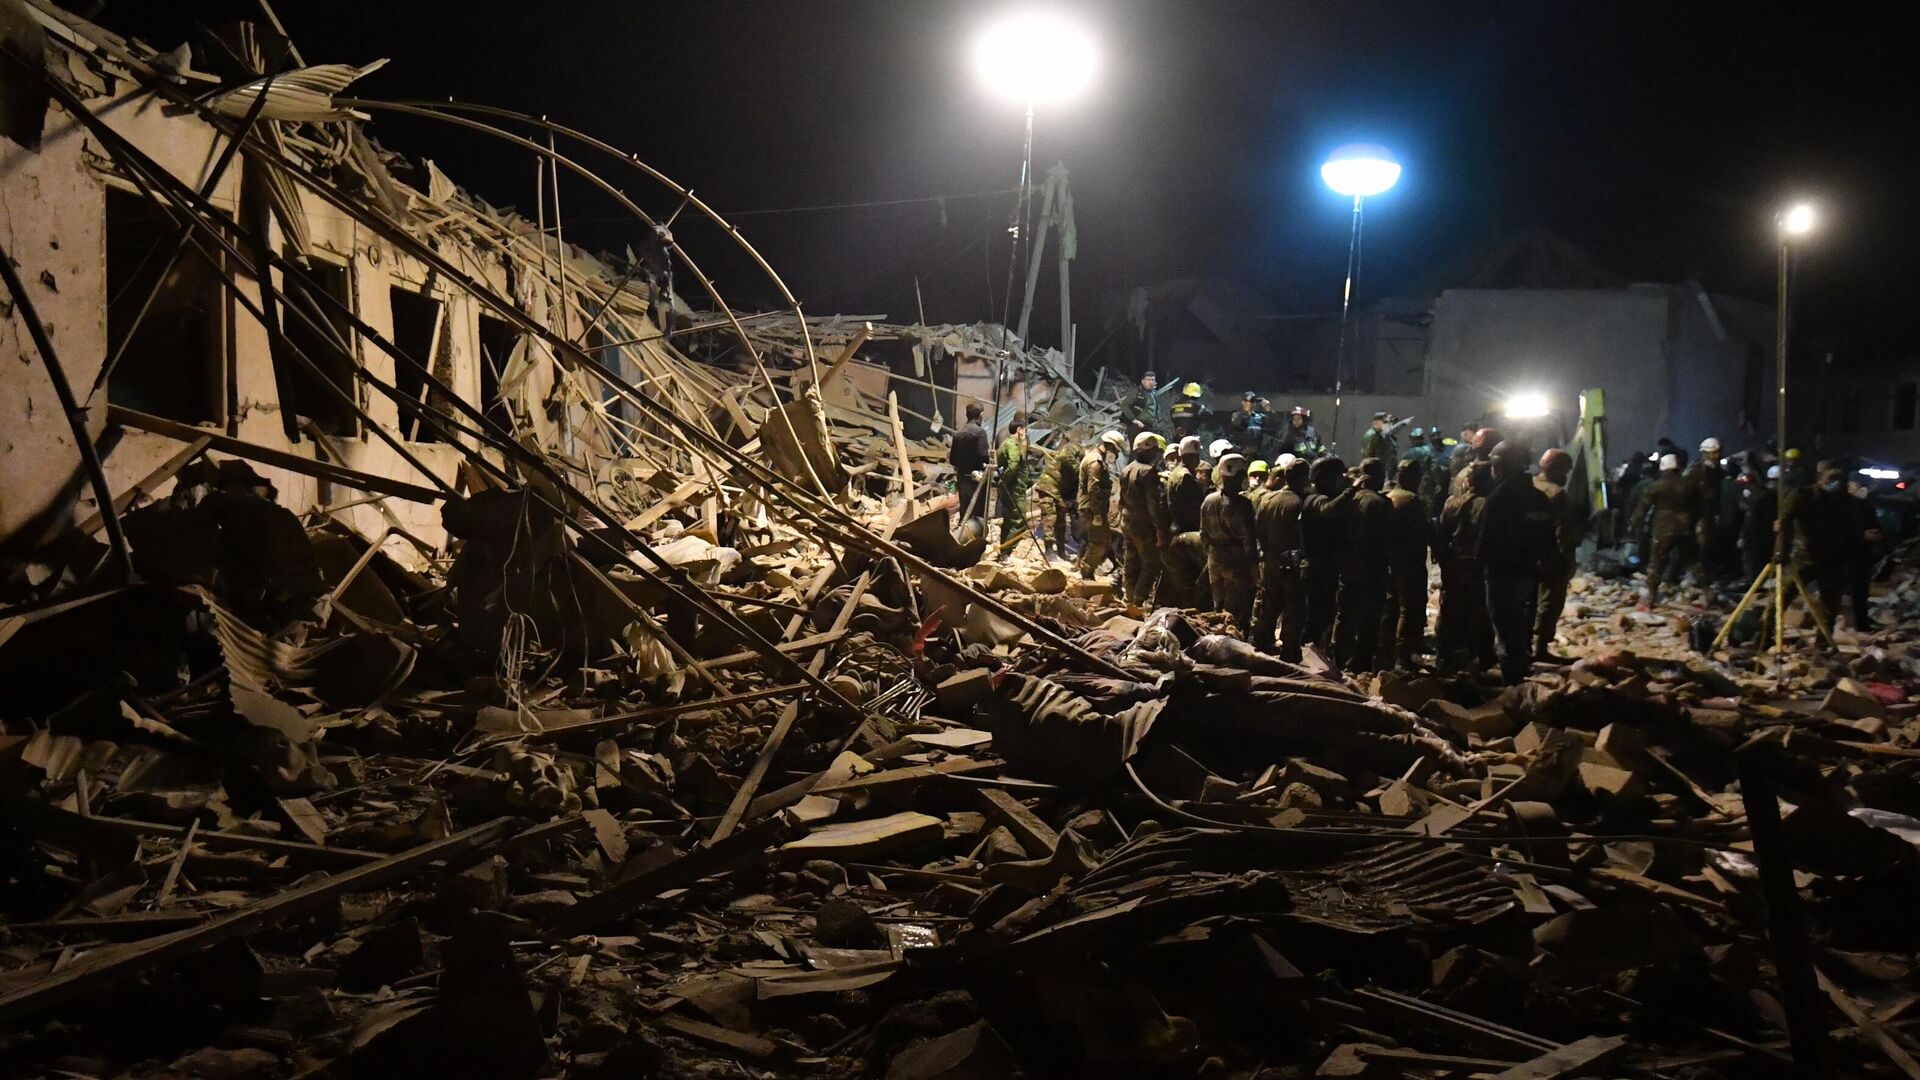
913	774
1036	836
103	969
752	1046
737	808
1870	1026
279	459
660	712
307	819
61	822
146	484
743	848
796	645
867	839
1574	1059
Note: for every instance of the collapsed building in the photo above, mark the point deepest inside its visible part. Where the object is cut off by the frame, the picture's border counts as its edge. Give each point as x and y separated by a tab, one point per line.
430	647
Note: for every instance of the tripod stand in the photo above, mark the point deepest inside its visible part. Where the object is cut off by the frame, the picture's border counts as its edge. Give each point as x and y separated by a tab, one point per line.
1782	574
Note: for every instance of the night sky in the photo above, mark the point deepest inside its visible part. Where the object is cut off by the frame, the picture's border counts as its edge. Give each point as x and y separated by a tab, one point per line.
1660	137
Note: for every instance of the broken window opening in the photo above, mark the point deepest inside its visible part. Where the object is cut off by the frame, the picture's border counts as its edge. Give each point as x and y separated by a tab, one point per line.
320	331
419	332
497	340
601	346
174	359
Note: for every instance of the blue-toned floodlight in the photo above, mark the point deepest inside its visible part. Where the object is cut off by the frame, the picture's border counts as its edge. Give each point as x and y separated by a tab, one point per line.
1360	170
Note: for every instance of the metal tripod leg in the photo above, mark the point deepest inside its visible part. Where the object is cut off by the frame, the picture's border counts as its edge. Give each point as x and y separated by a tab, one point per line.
1813	607
1740	609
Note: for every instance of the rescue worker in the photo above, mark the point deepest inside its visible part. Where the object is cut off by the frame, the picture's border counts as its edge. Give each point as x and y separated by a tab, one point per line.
1363	574
1142	407
1464	635
1830	536
1096	501
1226	528
1517	540
1143	518
1381	439
1256	483
1220	448
1674	502
1409	535
1243	427
1435	473
1569	528
1705	475
1462	454
1324	537
1300	438
1184	562
1069	530
968	456
1282	598
1481	448
1189	413
1762	497
1011	481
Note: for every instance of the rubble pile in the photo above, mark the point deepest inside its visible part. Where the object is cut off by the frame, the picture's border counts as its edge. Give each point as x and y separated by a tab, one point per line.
673	731
285	807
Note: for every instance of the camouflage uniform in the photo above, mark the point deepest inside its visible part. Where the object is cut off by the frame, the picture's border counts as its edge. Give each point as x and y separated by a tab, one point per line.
1282	598
1675	503
1569	528
1184	565
1096	498
1142	522
1405	621
1010	476
1464	630
1226	527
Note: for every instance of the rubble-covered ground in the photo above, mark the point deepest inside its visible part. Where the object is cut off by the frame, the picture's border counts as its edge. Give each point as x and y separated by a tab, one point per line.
287	809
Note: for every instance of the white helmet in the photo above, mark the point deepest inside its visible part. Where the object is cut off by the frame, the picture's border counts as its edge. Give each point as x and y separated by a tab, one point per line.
1220	446
1190	445
1773	472
1115	440
1284	462
1146	440
1669	463
1710	447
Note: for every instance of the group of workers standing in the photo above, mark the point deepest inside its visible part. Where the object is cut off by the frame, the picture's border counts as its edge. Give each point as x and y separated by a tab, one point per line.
1720	519
1308	550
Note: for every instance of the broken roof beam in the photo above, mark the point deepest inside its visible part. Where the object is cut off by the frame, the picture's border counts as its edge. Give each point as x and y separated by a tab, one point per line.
279	459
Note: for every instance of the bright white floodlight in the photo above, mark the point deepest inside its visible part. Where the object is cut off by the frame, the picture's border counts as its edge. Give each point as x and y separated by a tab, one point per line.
1360	170
1527	406
1798	220
1035	57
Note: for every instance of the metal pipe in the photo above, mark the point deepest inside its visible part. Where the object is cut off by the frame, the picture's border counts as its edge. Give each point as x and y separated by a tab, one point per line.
76	417
1346	309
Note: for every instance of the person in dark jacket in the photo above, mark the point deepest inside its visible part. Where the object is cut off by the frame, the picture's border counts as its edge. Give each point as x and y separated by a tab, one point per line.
1832	534
1233	551
1363	575
1569	528
1324	529
1463	637
968	456
1760	495
1516	543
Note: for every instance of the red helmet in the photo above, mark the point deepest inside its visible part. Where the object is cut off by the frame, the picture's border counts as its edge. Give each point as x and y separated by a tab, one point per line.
1485	440
1554	457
